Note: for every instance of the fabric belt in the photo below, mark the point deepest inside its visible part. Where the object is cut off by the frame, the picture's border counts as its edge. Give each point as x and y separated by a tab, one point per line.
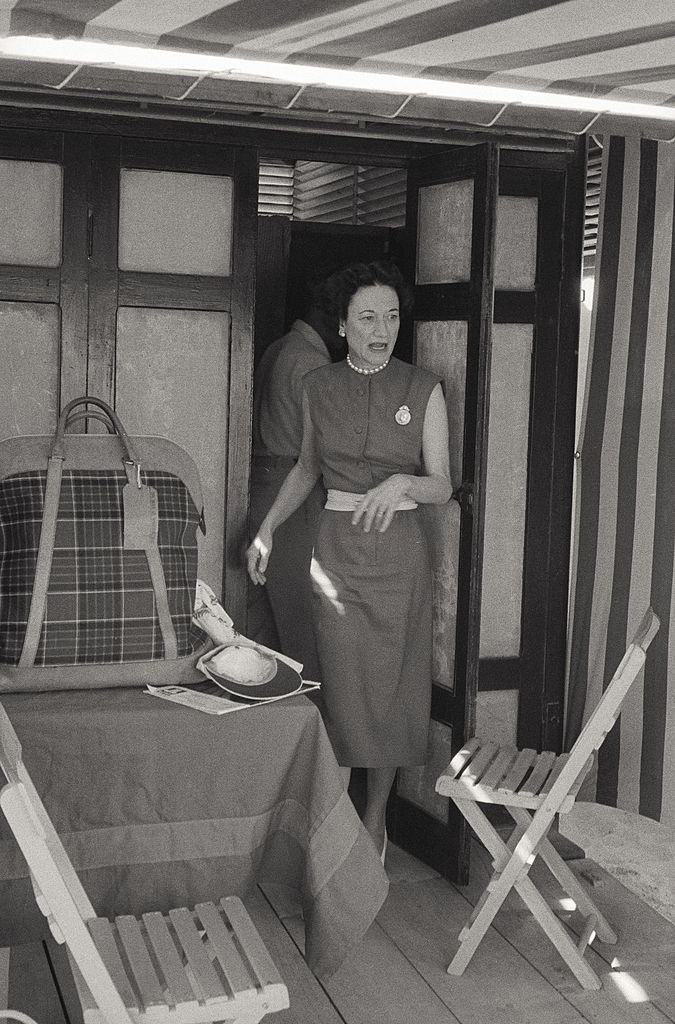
346	501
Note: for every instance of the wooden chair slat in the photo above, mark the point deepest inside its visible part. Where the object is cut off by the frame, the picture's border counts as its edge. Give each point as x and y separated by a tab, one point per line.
170	963
479	763
560	762
223	947
145	976
539	774
517	772
197	956
102	933
499	767
256	953
462	758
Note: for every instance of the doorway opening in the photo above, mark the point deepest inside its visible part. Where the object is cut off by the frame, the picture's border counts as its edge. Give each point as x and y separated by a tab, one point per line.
316	216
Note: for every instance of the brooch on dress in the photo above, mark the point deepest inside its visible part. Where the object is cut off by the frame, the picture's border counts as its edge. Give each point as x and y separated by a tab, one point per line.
403	416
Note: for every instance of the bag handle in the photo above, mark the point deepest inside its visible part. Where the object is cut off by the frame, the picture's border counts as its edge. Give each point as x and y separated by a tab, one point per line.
58	446
90	414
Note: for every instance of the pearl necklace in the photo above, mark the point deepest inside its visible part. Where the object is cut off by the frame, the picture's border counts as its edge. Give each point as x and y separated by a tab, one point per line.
369	372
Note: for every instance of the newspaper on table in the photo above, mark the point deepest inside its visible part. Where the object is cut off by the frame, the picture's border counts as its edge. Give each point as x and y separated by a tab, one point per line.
210	616
212	703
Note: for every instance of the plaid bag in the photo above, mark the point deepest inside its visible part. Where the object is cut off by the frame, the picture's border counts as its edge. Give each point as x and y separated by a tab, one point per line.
98	559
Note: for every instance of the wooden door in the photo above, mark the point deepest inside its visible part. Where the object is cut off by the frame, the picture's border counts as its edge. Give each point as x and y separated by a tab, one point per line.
451	218
499	324
527	515
141	295
173	258
43	278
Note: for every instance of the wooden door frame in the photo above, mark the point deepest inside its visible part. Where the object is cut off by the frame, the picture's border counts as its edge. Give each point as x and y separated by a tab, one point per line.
538	672
541	682
549	698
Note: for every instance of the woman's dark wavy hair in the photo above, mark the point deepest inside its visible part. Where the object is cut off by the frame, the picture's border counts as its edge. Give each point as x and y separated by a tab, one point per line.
335	293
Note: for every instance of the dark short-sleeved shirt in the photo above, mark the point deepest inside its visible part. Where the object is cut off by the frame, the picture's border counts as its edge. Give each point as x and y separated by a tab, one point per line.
359	437
278	389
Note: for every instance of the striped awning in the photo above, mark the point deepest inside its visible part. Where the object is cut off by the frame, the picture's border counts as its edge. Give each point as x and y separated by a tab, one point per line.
618	48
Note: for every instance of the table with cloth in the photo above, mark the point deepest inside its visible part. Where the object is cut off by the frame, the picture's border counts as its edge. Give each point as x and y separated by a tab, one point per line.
162	806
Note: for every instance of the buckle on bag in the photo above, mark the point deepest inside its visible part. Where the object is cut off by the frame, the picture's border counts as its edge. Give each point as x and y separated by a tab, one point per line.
128	462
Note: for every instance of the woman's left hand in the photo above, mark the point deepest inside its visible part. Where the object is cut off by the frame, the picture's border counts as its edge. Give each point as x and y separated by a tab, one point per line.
378	505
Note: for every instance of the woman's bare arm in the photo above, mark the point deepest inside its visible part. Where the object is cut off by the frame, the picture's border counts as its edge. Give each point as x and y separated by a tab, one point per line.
294	490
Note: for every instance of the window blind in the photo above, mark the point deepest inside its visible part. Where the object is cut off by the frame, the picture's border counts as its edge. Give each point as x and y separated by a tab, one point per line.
275	188
592	206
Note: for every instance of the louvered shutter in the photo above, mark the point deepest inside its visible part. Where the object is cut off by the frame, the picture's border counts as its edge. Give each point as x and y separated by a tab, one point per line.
344	194
592	208
325	192
381	195
275	188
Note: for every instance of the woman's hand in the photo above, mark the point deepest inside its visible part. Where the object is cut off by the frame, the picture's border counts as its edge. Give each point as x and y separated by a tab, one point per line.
258	555
378	505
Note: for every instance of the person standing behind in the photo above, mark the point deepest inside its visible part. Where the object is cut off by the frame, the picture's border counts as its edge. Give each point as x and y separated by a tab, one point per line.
376	429
277	437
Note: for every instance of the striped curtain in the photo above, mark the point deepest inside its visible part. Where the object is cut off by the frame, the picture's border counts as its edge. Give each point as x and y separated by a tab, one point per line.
625	509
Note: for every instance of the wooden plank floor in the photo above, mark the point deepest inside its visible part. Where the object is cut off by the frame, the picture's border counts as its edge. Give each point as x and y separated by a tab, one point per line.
397	974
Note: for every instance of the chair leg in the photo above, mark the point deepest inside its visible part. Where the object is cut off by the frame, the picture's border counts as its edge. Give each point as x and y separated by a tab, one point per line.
494	895
568	880
557	933
511	874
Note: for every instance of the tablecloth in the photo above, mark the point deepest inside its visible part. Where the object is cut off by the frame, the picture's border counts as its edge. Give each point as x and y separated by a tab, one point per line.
161	806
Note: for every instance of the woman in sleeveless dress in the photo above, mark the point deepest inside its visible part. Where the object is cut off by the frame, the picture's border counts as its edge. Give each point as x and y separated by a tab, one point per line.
376	429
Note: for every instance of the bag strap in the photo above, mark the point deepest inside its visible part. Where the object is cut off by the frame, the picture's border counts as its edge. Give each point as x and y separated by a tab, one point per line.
162	602
43	565
158	579
58	446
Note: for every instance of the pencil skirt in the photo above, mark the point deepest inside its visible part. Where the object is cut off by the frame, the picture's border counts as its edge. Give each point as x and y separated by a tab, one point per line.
372	613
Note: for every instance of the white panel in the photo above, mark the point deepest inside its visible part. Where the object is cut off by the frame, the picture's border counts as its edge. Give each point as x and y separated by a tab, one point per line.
175	223
506	490
173	380
29	368
497	716
30	213
441	347
516	243
444	232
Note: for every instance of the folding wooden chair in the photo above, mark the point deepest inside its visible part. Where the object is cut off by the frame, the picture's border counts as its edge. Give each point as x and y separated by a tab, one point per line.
534	788
188	967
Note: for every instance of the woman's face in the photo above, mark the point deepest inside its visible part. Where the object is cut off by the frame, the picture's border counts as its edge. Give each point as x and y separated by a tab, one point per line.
371	327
